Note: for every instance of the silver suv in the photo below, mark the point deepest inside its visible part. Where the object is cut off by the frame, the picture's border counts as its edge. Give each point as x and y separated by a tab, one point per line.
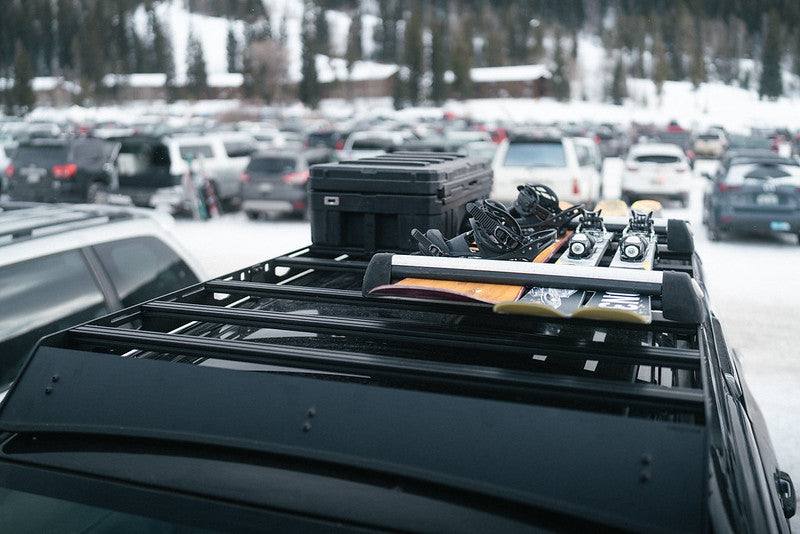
61	265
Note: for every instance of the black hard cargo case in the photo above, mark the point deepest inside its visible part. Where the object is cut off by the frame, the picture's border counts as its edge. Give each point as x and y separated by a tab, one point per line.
372	204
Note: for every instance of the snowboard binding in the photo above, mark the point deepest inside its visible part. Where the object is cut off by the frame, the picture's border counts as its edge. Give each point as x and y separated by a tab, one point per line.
495	234
635	240
537	207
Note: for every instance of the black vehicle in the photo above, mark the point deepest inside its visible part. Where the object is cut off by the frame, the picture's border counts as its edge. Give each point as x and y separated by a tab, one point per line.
63	170
144	168
330	139
275	182
285	397
754	195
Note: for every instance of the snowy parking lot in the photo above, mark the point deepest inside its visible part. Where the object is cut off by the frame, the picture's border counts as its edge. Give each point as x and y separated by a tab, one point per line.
752	282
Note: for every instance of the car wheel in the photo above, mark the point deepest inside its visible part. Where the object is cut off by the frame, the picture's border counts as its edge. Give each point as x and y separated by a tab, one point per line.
252	215
97	193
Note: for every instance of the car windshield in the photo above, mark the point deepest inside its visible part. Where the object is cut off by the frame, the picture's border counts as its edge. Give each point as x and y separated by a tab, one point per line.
657	158
272	165
40	155
544	154
779	174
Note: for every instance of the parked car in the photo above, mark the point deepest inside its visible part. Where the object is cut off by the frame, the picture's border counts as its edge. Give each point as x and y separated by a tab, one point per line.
656	171
327	138
275	182
368	143
679	138
218	158
710	144
560	163
611	142
4	162
754	195
63	170
62	264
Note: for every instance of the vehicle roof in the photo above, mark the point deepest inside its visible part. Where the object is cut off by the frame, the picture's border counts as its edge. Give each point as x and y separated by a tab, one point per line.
30	230
655	149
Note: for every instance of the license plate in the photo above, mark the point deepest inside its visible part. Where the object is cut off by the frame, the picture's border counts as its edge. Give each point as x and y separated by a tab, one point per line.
767	199
779	226
33	177
265	188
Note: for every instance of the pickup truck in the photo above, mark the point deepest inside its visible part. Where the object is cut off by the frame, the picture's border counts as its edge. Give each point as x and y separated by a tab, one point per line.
286	396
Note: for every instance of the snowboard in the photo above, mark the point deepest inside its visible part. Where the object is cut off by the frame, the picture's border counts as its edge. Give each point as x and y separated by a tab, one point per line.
485	293
615	306
602	305
637	244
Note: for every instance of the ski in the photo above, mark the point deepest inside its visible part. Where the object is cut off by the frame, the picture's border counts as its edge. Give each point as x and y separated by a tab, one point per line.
638	243
587	247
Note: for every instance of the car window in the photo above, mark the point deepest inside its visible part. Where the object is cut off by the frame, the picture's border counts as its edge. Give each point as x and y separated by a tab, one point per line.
276	165
738	174
237	149
657	158
142	268
40	513
584	156
90	152
42	156
371	144
195	151
41	296
535	155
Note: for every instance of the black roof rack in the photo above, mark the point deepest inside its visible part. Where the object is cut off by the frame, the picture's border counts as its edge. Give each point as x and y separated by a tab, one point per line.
456	378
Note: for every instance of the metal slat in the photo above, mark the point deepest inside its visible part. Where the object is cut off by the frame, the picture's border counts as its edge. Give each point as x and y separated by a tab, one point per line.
462	378
319	263
406	331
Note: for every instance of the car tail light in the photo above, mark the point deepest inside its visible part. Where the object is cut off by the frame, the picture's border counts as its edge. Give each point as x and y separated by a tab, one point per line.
680	169
296	177
576	190
339	144
299	205
64	172
723	188
632	168
597	139
9	171
244	177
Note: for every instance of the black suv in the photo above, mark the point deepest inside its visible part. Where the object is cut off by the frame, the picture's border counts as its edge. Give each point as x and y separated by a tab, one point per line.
63	170
757	194
287	397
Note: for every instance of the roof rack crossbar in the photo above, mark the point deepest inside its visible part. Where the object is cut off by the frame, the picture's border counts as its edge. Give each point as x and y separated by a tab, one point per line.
319	263
412	331
453	377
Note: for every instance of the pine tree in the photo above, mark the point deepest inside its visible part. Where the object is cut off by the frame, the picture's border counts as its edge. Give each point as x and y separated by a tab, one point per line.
619	87
22	99
354	50
560	79
309	91
438	57
698	71
661	68
162	53
323	33
196	74
771	85
414	50
462	60
232	49
388	34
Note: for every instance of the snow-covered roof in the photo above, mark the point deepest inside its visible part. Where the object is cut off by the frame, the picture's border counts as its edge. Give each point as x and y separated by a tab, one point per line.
516	73
225	79
332	69
142	79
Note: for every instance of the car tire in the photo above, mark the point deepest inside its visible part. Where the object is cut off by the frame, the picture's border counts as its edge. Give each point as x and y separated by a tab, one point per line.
252	215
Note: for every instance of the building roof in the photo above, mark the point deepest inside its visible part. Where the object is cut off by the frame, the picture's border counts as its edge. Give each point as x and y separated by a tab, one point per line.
515	73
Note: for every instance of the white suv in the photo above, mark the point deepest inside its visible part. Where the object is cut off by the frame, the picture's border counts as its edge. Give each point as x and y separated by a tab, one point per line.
658	171
560	163
61	265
